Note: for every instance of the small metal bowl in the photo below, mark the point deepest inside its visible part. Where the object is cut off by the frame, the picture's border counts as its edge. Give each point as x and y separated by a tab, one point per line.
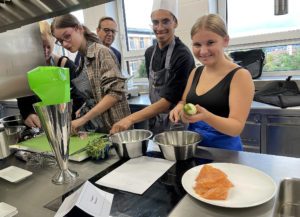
14	120
177	145
14	134
4	147
131	143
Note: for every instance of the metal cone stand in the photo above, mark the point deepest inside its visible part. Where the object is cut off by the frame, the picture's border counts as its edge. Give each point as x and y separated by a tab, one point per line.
56	122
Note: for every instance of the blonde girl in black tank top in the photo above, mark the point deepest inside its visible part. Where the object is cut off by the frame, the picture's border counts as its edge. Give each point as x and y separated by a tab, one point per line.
221	90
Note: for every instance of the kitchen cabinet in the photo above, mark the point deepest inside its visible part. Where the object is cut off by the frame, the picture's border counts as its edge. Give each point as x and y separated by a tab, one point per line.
273	131
251	135
283	135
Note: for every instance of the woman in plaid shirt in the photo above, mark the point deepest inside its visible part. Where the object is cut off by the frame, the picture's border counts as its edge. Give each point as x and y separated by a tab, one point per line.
100	81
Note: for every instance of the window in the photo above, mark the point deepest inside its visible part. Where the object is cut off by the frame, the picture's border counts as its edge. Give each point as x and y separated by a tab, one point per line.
137	68
252	24
137	28
142	44
138	33
131	43
285	59
133	66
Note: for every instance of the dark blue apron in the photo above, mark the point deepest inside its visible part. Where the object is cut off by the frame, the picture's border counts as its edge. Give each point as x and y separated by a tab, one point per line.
215	139
157	81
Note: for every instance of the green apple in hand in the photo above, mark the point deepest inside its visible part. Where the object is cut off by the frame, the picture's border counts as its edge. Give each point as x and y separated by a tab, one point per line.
189	109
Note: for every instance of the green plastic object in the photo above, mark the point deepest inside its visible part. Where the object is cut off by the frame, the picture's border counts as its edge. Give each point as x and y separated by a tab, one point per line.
51	84
41	144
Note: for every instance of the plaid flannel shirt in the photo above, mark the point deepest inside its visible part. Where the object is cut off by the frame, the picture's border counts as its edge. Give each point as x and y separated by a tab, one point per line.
105	77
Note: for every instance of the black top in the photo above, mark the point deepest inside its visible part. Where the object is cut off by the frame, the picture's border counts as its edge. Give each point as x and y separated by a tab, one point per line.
181	64
216	100
25	103
117	53
77	59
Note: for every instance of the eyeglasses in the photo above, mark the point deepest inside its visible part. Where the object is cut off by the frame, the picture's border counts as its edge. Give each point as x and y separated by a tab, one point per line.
67	37
165	23
108	30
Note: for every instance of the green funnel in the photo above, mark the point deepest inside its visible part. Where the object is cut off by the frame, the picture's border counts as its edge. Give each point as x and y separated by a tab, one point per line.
51	84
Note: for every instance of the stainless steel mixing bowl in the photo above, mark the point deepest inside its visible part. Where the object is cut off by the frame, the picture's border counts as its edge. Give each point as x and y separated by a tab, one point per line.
177	145
131	143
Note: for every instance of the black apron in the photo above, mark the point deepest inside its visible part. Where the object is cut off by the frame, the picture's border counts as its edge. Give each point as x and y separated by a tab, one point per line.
157	81
83	86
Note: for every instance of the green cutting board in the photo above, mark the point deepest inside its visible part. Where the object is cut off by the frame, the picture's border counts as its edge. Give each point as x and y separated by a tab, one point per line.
41	144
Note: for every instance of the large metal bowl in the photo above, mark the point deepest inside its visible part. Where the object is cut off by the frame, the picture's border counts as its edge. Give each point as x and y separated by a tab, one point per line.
177	145
13	120
131	143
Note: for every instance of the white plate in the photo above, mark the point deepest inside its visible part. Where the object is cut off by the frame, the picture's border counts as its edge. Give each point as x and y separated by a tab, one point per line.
252	187
14	174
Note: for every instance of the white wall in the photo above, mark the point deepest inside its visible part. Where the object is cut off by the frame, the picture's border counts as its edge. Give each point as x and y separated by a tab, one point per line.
189	12
93	14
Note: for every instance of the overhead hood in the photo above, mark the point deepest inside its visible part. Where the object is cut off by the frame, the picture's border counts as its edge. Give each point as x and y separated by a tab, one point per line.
17	13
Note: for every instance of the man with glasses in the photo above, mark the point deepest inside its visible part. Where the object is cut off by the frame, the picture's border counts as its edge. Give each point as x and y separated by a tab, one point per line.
106	31
168	64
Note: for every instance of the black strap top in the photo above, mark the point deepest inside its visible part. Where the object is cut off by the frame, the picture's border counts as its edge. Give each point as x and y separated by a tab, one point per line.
215	100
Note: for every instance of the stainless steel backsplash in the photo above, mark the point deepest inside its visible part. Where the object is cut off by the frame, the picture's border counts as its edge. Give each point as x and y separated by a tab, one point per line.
20	51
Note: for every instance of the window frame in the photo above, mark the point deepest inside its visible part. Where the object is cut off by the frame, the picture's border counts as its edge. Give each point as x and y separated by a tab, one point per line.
262	40
238	43
259	41
142	43
127	54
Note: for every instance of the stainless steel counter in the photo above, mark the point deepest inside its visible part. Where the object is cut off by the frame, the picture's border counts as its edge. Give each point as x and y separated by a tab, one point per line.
277	167
32	194
143	99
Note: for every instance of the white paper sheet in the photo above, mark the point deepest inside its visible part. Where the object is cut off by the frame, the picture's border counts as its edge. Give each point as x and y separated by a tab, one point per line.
14	174
136	175
7	210
90	199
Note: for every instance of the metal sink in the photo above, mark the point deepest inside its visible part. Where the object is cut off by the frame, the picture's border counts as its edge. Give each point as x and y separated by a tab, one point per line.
288	199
